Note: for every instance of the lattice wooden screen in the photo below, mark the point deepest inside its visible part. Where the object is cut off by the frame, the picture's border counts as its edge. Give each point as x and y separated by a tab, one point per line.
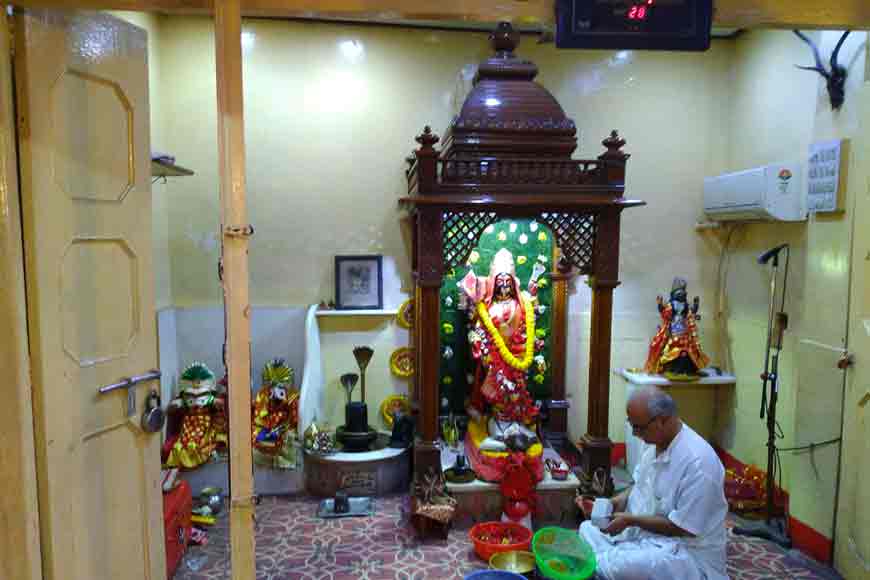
575	235
461	232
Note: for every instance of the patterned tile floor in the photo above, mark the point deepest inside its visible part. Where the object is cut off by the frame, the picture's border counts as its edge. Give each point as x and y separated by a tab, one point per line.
294	544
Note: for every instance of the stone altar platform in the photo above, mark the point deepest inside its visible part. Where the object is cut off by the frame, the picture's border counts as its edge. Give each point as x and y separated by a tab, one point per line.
381	471
481	501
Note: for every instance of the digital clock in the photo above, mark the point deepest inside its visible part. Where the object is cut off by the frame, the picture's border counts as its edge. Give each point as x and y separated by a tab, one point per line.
634	24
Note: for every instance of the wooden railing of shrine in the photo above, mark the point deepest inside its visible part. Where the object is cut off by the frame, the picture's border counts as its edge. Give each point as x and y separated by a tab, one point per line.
430	174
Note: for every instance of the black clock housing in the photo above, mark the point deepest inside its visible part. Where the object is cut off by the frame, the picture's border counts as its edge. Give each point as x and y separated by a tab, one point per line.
680	25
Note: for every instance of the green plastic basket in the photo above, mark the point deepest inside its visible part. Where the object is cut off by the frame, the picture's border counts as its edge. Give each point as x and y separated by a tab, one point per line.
562	554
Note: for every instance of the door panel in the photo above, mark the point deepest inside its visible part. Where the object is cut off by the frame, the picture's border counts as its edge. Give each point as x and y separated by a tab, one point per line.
82	83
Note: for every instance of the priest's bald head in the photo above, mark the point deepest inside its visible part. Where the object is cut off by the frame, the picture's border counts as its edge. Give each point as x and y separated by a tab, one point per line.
653	416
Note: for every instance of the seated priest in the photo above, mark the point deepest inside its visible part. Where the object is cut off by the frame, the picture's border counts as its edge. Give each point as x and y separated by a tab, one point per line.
671	523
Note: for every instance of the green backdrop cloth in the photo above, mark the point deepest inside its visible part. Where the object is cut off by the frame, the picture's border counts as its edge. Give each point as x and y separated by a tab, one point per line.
530	242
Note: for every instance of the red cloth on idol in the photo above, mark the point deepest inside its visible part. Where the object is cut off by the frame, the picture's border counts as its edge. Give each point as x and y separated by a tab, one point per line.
493	469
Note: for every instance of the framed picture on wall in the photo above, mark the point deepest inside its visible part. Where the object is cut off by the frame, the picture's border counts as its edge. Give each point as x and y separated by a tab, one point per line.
359	282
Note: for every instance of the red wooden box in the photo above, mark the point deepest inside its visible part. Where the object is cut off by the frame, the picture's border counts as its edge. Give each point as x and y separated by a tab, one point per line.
176	518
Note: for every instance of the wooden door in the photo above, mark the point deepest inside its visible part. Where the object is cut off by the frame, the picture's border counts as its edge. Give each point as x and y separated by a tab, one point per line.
852	535
82	97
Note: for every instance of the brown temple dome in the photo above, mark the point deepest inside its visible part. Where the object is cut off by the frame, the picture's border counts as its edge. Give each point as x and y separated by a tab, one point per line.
507	112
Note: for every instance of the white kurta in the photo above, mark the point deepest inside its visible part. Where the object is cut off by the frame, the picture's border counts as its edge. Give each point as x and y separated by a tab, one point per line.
685	484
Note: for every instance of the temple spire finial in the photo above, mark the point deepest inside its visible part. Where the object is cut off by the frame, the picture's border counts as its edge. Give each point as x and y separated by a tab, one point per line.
427	139
504	39
614	144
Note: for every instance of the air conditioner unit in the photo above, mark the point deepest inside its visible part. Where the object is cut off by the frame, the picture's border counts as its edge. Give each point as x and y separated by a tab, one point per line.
771	192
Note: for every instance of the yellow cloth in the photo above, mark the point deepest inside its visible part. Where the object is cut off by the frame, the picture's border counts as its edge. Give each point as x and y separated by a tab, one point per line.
196	442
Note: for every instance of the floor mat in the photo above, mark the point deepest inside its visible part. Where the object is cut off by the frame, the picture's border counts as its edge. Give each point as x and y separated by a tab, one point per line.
294	544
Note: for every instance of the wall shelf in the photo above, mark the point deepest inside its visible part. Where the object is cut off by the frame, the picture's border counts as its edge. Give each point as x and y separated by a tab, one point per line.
641	378
163	169
386	312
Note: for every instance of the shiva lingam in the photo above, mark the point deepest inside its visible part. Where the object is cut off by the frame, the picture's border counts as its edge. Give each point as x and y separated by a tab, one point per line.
356	435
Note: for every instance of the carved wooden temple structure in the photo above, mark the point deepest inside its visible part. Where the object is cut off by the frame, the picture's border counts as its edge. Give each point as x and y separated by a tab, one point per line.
508	155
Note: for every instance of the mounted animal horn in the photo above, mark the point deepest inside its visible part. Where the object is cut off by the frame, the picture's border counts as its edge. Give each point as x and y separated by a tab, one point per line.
836	77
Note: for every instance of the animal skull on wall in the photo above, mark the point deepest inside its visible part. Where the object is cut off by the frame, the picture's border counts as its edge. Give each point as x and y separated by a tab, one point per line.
836	77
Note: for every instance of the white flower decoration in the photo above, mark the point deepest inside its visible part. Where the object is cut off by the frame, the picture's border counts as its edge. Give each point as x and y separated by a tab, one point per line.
513	227
448	353
533	226
489	229
524	238
542	258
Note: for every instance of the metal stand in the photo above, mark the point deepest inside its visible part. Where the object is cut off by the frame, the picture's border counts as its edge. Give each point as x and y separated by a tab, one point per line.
357	507
773	528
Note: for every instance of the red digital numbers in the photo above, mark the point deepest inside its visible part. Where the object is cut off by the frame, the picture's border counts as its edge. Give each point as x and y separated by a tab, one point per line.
639	11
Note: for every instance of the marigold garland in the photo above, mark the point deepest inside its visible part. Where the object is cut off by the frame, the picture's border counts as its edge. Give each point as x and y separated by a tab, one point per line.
506	355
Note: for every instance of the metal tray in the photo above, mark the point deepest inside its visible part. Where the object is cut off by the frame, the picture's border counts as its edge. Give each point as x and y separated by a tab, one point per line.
359	506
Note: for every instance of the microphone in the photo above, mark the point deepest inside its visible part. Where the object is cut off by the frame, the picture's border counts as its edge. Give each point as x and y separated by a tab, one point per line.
771	253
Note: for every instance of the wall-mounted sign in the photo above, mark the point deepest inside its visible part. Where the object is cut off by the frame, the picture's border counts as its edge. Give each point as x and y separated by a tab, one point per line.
826	176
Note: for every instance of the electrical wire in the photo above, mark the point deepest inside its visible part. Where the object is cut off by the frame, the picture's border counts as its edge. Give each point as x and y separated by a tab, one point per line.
722	295
811	446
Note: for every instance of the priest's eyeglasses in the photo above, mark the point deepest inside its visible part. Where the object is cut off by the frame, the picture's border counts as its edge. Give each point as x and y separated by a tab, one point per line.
638	429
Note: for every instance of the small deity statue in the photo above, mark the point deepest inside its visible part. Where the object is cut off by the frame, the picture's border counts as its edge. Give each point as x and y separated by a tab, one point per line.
675	349
203	426
503	342
276	408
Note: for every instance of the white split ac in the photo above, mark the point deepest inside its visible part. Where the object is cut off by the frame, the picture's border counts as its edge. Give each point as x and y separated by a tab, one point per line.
771	193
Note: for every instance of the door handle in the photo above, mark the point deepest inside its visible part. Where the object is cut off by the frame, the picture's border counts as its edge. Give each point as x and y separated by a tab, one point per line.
128	383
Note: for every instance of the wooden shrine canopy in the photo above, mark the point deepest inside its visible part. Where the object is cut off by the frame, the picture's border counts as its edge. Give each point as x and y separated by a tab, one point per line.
508	154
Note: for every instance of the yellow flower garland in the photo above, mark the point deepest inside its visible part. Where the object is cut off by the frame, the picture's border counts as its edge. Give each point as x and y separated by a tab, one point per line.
506	355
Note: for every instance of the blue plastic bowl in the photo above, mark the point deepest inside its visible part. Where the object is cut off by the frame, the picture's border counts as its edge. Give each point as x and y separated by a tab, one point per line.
494	575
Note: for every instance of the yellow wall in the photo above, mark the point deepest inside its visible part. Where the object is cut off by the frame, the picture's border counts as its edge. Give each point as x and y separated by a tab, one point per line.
339	336
160	192
777	111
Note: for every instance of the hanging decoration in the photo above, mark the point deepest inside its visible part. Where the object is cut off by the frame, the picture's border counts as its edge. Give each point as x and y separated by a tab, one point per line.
391	405
405	316
402	362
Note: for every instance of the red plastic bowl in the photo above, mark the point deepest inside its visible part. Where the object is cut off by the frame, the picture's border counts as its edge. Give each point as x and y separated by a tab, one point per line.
485	548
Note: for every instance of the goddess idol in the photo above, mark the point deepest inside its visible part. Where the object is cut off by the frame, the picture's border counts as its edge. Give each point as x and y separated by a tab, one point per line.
675	350
503	344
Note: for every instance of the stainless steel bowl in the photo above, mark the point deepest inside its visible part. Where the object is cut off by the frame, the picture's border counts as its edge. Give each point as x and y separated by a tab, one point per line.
213	498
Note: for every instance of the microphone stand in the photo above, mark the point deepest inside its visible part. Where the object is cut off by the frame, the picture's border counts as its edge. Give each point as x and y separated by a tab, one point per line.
773	528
